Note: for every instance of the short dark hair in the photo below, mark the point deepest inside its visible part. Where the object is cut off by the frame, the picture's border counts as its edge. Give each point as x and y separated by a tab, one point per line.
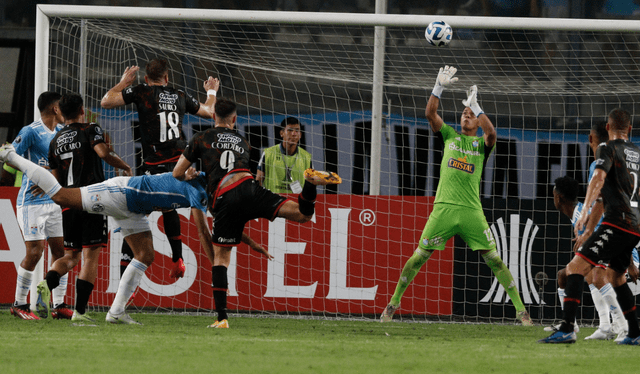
620	119
157	68
289	121
567	187
224	108
599	129
71	105
47	99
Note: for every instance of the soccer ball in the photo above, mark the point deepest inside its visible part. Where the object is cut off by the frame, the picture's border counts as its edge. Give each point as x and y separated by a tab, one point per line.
438	33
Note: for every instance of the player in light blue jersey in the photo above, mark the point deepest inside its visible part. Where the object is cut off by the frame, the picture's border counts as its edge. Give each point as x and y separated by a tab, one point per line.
38	217
128	200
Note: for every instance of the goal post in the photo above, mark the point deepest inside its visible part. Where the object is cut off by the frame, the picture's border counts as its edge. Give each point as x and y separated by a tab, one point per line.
359	83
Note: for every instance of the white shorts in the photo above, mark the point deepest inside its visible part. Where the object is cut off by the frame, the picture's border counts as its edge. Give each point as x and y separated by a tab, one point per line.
108	198
40	222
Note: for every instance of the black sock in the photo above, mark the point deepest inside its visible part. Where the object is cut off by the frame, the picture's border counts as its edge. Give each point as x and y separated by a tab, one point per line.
83	293
53	279
627	304
220	286
172	230
573	295
307	199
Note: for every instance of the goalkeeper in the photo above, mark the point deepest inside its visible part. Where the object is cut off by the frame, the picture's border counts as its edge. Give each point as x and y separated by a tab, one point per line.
457	208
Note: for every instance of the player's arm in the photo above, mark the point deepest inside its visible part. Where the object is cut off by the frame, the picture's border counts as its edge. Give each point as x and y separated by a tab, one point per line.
113	98
204	234
260	173
183	171
485	123
594	218
211	85
255	246
593	192
445	77
112	158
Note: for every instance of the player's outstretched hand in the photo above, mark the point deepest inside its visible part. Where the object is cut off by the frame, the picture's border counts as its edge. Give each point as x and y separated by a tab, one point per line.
191	174
444	79
472	100
211	84
129	75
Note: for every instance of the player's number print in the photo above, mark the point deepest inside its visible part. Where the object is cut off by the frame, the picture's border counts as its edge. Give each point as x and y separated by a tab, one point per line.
65	156
487	232
634	196
170	132
227	160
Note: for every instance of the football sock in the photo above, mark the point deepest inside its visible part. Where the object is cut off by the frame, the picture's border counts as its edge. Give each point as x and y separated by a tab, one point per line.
53	279
128	284
58	293
505	278
220	286
39	175
83	292
602	307
172	230
611	300
125	257
571	301
561	296
410	270
627	304
307	199
22	285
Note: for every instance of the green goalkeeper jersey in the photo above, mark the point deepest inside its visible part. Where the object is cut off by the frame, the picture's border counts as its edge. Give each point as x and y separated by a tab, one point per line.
461	169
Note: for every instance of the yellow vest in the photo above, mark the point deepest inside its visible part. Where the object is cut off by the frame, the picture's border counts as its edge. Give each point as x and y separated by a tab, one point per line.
275	165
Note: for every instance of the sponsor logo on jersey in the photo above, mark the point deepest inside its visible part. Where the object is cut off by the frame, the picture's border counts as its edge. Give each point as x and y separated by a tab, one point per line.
461	164
632	156
225	240
475	144
66	138
167	98
454	147
228	141
229	138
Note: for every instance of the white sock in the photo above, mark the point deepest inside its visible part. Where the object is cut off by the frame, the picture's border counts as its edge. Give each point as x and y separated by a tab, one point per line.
128	284
561	296
58	293
609	296
23	284
602	307
39	175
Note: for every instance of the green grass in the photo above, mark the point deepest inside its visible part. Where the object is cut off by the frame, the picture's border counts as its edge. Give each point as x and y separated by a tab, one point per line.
183	344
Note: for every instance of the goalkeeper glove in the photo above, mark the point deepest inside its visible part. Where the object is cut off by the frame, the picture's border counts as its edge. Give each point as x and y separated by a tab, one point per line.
445	78
472	100
178	269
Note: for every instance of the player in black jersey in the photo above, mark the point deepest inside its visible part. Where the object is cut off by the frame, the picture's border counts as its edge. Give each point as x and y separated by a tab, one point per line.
615	179
75	157
161	109
235	197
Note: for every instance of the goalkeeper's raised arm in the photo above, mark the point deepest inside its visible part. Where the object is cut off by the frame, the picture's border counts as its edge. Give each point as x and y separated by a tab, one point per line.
444	79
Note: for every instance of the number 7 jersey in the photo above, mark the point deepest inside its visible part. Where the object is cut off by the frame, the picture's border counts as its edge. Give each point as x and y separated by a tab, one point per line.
220	151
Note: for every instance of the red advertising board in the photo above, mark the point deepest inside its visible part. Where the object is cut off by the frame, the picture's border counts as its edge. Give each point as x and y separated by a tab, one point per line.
346	261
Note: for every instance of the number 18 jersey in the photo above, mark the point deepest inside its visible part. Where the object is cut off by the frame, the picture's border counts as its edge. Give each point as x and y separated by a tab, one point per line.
220	151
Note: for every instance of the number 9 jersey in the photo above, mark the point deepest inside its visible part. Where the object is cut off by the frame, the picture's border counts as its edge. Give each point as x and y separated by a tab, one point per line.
221	151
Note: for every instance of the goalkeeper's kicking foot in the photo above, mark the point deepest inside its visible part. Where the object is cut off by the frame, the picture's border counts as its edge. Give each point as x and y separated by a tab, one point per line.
387	313
560	337
44	298
5	150
224	324
321	178
122	319
178	269
524	317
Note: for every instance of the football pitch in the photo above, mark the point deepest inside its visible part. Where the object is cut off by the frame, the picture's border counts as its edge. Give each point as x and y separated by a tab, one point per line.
183	344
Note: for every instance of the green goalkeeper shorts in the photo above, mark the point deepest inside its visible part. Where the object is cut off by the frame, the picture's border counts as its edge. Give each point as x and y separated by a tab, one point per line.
447	220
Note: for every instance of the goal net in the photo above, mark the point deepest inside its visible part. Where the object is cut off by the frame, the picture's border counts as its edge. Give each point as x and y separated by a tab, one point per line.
542	82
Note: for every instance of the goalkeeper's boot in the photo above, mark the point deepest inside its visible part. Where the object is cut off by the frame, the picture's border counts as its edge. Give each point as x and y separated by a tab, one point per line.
44	298
122	319
5	150
77	317
387	313
23	312
61	311
178	269
524	317
560	337
630	341
321	178
601	334
224	324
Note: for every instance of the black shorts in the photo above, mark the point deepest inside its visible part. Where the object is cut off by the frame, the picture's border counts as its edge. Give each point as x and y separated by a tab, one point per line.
158	168
609	245
233	208
81	229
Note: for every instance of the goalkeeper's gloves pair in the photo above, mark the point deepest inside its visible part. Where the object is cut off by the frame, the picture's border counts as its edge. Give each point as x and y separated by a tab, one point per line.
446	78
